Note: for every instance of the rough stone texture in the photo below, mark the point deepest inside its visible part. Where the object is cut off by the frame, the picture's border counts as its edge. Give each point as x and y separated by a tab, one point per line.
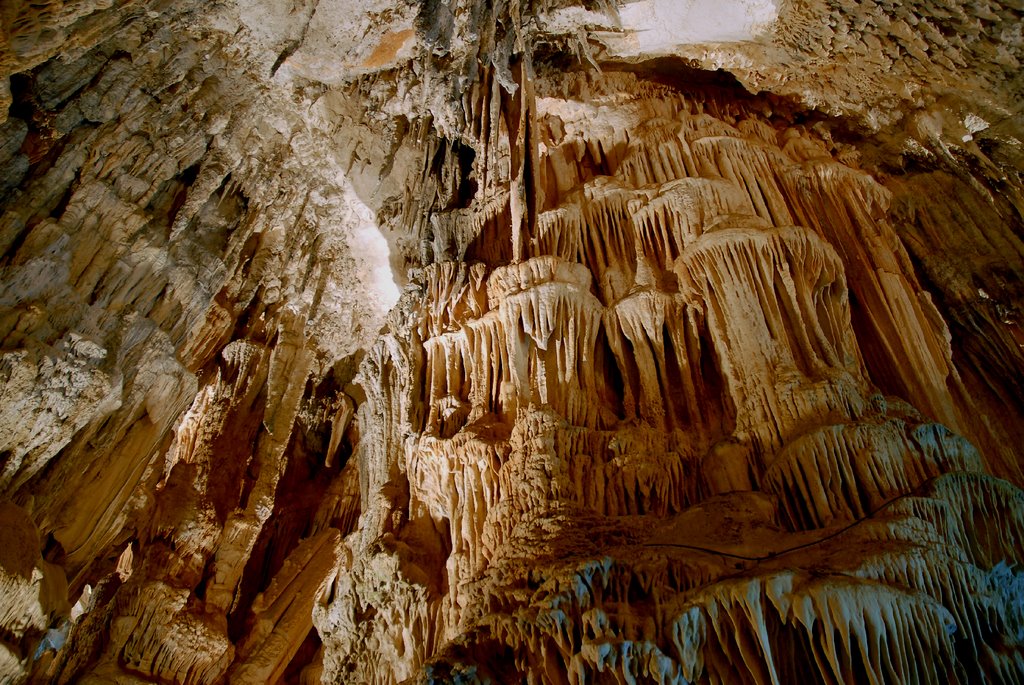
511	342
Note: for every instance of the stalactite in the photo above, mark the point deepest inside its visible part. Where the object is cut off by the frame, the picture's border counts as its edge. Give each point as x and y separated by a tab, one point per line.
537	342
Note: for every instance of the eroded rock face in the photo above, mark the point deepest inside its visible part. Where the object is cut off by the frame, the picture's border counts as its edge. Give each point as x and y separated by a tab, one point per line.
685	383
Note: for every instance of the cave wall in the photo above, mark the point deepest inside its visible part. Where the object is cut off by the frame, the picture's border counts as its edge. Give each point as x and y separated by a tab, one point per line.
511	342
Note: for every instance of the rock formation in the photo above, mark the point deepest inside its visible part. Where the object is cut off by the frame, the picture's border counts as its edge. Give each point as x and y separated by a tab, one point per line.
511	342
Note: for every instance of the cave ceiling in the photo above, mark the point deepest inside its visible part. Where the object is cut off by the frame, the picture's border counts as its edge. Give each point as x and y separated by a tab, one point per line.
511	341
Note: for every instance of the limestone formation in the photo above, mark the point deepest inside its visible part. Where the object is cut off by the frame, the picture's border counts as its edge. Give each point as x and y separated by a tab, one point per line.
511	342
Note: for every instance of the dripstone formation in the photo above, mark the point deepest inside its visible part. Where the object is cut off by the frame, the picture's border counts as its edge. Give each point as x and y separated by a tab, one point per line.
511	342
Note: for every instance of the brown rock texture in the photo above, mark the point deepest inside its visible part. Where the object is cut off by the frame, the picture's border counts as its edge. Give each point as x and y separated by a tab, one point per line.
511	342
